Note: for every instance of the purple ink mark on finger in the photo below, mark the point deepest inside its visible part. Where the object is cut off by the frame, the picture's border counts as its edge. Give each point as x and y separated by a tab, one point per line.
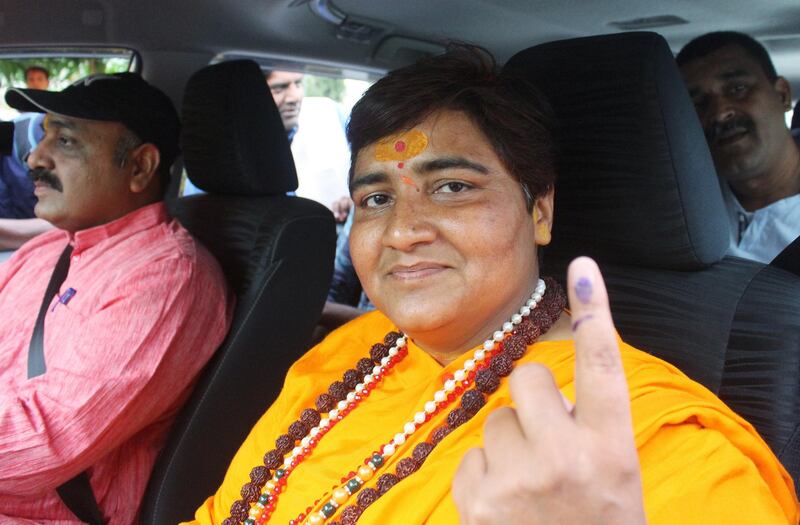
578	321
583	289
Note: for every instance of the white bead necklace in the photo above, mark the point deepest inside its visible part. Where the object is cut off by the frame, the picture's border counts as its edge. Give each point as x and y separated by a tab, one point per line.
440	399
440	396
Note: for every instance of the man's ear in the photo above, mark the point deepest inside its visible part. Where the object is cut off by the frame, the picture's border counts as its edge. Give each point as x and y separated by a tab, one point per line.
543	217
784	90
145	160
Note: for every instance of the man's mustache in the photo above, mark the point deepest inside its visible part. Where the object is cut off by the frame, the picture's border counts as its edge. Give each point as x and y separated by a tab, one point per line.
45	176
728	128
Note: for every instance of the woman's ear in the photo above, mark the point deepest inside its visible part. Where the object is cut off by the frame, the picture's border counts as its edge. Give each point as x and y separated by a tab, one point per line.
543	217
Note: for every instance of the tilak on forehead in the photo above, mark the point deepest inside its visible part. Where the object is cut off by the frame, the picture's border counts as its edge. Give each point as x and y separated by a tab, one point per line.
401	147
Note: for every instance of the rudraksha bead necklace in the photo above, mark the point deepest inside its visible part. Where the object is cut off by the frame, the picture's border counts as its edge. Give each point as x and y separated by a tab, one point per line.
493	360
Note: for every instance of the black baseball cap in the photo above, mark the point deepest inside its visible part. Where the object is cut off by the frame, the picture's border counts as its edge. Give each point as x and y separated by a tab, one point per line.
122	97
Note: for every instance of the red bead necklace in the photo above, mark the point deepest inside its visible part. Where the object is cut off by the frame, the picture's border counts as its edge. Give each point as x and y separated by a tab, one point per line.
489	364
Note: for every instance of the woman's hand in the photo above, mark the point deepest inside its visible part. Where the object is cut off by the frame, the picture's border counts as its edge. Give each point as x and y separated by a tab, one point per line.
547	461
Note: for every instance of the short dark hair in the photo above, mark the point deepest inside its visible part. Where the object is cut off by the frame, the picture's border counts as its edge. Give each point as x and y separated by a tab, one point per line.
515	118
40	69
710	42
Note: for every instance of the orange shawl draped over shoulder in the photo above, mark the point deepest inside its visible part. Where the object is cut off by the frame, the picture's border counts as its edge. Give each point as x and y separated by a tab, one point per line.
701	463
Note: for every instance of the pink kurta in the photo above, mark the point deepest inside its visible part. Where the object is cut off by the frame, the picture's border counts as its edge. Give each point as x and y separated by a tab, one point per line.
150	307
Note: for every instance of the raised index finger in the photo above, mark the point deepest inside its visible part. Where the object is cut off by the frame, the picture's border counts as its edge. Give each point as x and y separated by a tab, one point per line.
601	391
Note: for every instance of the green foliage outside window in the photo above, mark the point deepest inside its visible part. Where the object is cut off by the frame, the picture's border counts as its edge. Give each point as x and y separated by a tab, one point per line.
316	86
63	70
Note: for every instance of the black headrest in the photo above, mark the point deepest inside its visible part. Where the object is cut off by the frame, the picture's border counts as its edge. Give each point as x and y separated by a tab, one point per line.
796	116
636	183
233	140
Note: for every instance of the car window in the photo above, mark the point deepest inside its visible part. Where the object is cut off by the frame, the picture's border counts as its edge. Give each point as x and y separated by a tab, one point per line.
325	105
59	68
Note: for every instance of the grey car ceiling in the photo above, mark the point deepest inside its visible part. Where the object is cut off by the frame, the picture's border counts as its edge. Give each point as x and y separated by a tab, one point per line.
177	36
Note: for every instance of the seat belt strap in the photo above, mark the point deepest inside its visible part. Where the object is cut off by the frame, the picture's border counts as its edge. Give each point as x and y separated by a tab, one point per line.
36	364
76	493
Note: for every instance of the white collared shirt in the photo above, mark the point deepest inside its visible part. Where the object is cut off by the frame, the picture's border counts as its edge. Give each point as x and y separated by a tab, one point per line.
320	151
762	234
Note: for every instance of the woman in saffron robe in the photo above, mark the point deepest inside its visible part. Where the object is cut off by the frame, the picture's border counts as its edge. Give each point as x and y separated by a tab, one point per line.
411	414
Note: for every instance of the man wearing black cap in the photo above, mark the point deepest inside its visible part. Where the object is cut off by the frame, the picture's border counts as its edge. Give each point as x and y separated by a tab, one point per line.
107	318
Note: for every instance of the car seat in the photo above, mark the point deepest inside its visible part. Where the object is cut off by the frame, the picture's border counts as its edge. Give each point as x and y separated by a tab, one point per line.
637	191
789	258
277	254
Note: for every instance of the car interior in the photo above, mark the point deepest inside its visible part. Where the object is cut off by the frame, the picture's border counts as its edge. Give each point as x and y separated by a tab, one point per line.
636	189
673	289
235	148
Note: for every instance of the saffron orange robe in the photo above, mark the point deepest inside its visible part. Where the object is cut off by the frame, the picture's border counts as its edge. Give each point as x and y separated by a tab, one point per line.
701	463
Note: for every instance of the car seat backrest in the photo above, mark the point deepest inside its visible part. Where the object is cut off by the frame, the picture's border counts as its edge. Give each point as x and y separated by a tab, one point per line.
637	191
628	131
789	258
277	254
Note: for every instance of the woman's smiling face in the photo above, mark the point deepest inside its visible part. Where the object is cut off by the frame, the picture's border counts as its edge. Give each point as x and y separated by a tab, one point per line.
442	239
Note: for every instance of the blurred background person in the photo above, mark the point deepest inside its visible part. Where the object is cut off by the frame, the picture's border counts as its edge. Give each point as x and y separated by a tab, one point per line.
742	104
314	126
18	223
315	129
37	77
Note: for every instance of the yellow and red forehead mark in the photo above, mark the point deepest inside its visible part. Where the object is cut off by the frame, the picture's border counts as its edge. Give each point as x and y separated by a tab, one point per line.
401	147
